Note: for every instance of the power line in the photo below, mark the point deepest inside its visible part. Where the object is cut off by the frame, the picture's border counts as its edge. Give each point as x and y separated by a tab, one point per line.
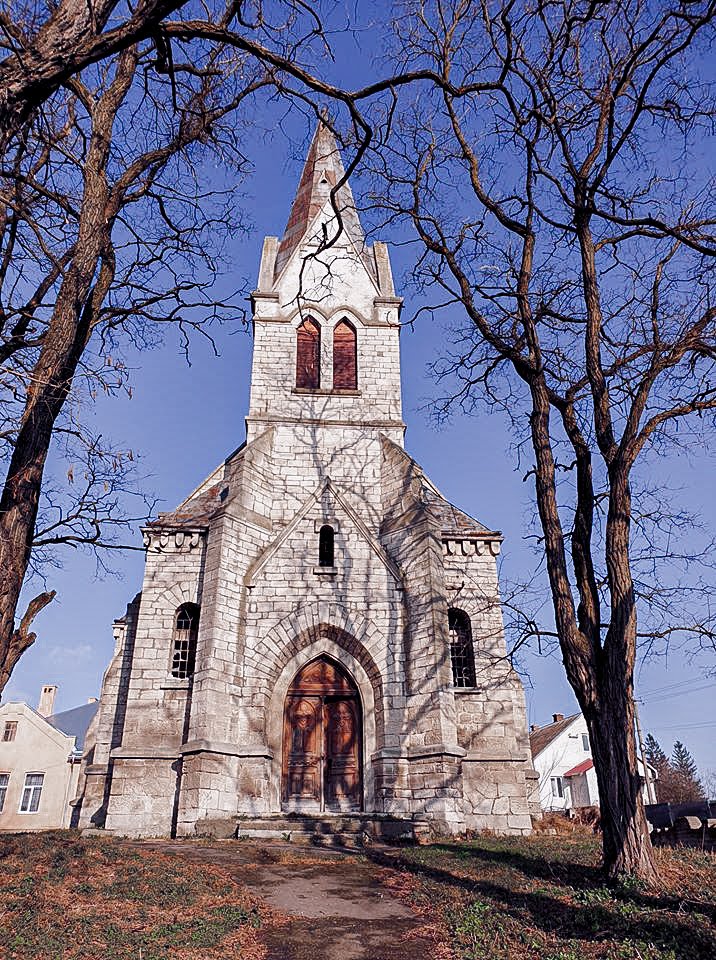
670	695
676	685
684	726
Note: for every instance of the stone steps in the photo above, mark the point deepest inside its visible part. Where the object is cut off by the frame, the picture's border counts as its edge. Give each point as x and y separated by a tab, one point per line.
330	830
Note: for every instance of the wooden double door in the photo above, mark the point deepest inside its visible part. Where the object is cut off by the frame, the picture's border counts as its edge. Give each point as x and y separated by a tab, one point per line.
322	741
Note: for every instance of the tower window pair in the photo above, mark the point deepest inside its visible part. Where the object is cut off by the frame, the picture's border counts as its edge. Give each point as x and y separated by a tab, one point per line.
308	356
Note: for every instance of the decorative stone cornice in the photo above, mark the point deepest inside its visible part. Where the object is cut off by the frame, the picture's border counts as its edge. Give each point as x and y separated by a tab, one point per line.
168	540
471	546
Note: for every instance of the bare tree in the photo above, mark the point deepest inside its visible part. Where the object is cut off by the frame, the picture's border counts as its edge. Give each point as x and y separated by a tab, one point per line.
109	229
556	187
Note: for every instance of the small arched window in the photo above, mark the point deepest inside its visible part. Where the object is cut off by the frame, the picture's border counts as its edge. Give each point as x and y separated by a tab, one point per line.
345	363
462	653
308	355
326	544
186	630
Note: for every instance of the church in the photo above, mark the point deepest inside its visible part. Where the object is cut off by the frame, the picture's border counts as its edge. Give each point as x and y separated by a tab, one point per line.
319	630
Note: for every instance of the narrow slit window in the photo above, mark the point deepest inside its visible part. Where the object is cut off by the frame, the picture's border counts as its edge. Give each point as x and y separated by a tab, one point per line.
462	653
308	355
326	546
345	362
186	630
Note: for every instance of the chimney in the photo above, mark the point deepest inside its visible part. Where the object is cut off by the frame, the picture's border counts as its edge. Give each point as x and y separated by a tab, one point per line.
533	727
46	706
91	699
556	717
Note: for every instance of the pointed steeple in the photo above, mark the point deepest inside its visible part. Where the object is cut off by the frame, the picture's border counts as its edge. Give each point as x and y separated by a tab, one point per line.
322	171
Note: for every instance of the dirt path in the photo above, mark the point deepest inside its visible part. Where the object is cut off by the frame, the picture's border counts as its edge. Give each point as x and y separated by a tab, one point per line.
335	906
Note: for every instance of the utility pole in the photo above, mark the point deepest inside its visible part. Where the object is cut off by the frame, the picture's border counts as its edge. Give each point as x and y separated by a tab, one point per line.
650	792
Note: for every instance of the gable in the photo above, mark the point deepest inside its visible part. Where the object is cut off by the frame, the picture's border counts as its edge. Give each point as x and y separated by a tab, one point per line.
34	726
543	737
299	538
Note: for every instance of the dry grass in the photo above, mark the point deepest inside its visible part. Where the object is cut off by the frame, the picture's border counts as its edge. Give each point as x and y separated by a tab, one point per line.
65	897
542	898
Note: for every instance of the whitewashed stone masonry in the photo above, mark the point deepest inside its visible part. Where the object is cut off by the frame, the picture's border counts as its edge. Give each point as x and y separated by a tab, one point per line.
168	752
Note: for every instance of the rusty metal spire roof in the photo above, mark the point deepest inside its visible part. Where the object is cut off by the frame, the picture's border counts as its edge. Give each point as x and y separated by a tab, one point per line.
322	171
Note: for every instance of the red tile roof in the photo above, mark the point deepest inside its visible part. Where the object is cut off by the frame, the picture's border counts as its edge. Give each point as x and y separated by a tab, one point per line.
580	768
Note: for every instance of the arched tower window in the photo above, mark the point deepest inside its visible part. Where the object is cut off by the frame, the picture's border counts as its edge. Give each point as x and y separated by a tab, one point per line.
326	552
308	355
462	653
345	363
186	630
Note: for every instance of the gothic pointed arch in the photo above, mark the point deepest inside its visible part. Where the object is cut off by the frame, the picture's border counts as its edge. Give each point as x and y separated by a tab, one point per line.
345	356
308	355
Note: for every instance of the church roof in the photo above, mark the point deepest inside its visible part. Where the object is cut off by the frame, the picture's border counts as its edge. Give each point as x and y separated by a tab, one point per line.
454	522
195	512
321	172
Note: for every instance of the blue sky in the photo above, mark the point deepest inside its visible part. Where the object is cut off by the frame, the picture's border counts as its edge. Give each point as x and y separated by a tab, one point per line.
183	420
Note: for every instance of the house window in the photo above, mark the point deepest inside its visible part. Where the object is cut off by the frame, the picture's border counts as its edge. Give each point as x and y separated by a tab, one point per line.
31	792
10	730
326	542
585	742
557	786
186	629
308	355
462	654
345	364
4	780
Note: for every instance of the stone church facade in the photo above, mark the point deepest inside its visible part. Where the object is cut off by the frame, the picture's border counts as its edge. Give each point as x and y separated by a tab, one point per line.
318	629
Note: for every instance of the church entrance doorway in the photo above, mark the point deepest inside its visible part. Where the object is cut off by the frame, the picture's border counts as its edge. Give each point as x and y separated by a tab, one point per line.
322	741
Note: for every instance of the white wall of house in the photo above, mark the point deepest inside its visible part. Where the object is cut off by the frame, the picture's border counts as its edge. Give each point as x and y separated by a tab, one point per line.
34	748
564	752
568	749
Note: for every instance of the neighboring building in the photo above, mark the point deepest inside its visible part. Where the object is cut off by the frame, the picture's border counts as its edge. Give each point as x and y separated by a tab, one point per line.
319	630
562	757
40	758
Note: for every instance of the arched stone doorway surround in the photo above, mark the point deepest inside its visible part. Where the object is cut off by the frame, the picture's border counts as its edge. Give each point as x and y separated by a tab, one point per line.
365	677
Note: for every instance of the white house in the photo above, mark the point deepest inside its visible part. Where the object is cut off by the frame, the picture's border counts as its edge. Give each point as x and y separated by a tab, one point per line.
40	756
562	757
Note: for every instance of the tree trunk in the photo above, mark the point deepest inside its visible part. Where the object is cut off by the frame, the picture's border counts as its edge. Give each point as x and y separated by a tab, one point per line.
625	830
18	511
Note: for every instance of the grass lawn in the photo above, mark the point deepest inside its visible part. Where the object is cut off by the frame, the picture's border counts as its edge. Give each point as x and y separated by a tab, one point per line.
64	897
541	898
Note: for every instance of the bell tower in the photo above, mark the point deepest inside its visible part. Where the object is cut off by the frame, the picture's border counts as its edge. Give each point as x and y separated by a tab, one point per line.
325	313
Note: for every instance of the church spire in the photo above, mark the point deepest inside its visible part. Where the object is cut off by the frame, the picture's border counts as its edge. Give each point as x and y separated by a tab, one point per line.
322	171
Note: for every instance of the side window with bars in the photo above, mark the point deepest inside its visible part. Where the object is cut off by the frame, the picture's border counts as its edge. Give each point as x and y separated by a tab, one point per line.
462	654
186	631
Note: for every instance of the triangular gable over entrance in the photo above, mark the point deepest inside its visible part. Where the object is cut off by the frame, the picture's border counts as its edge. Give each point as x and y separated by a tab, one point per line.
326	487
